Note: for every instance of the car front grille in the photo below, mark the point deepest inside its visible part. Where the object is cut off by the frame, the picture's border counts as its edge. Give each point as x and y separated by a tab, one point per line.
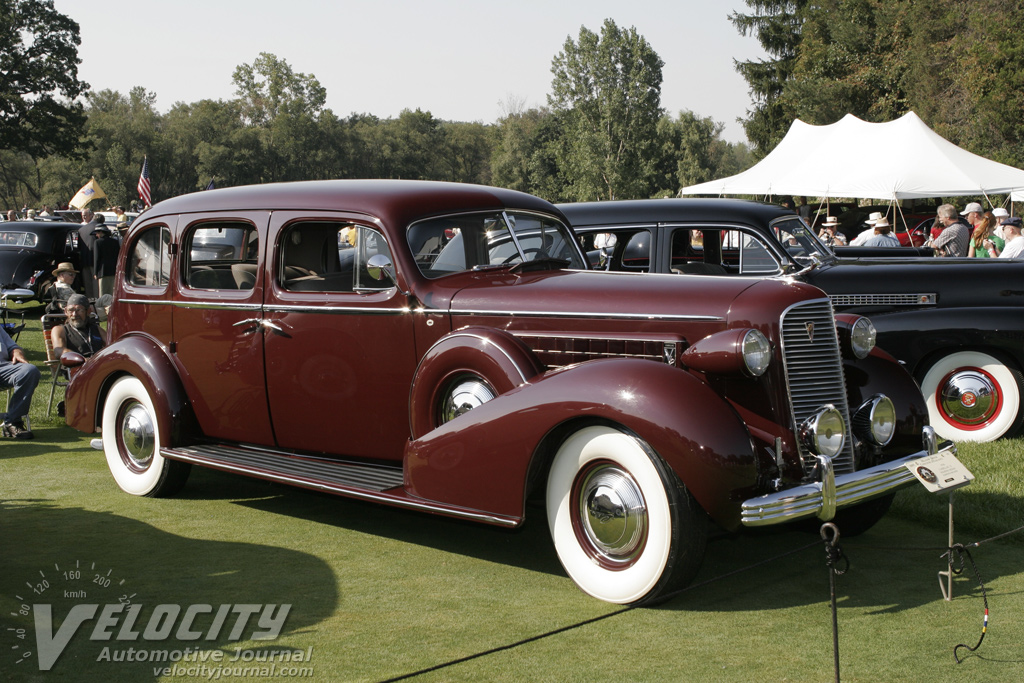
885	299
814	372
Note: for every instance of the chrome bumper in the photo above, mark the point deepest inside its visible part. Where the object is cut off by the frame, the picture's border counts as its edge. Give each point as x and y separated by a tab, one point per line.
822	499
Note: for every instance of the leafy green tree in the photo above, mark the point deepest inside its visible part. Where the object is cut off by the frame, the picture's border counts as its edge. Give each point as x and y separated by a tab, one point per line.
39	79
121	131
777	26
607	92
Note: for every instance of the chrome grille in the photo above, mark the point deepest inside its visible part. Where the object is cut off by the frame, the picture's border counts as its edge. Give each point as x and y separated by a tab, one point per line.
845	300
814	372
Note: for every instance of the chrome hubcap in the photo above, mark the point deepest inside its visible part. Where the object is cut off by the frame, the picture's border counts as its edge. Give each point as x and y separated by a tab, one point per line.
969	397
465	394
138	437
611	515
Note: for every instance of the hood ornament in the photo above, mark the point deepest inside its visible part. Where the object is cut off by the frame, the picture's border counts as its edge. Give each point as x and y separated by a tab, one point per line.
810	331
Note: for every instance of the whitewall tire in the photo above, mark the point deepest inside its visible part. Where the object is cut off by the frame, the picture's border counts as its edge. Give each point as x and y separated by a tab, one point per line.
972	396
131	443
625	528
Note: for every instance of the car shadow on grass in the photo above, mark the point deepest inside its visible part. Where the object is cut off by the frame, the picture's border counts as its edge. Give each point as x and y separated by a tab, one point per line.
528	547
67	556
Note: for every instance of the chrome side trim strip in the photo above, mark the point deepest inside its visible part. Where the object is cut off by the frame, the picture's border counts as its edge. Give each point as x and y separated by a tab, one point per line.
590	314
350	492
807	500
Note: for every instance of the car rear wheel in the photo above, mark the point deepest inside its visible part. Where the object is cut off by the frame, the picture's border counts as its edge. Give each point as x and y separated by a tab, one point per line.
972	396
131	443
625	528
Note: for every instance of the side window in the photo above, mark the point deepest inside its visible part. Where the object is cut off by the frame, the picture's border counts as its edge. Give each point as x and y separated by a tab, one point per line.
619	250
149	264
326	256
752	255
221	255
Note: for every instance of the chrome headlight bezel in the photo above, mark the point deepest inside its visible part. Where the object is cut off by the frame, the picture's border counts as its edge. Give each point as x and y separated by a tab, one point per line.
756	351
824	432
862	337
875	420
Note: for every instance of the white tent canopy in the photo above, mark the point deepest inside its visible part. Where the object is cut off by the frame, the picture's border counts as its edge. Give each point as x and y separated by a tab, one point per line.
901	159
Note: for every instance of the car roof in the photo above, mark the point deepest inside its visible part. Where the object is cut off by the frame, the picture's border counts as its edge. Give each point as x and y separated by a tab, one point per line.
671	210
397	201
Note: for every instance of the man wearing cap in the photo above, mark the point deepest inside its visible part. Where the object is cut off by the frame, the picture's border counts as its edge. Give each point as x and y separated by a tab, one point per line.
18	374
80	333
956	235
829	234
1014	243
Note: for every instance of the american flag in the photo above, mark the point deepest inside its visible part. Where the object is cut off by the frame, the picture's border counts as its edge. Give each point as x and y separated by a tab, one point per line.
144	183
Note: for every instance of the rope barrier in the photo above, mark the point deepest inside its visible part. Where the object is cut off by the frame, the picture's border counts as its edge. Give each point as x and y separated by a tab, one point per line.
833	556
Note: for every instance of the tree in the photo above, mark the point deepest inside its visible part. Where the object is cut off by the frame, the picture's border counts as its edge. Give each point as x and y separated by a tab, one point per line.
39	79
777	26
607	91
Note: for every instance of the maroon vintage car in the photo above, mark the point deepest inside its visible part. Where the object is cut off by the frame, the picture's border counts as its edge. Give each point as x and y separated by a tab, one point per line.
444	348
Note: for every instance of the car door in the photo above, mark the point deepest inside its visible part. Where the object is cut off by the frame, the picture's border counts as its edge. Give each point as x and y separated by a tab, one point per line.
216	318
340	347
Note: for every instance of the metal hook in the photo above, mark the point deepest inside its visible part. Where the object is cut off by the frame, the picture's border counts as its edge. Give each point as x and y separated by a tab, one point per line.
829	526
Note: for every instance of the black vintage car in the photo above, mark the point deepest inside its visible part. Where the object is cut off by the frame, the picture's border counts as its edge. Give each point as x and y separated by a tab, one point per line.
31	250
957	324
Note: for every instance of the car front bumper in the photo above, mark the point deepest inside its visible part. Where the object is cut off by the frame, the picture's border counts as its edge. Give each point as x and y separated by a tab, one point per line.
822	499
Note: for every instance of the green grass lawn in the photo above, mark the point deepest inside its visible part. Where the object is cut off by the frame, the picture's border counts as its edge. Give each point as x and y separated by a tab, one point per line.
377	593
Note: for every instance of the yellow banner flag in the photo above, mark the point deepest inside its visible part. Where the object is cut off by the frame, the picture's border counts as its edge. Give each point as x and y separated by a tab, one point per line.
90	191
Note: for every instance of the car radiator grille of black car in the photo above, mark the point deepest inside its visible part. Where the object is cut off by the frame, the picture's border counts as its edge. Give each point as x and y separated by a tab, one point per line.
814	373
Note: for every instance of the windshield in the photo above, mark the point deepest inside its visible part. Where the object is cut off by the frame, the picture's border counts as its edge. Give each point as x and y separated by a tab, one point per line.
799	241
453	244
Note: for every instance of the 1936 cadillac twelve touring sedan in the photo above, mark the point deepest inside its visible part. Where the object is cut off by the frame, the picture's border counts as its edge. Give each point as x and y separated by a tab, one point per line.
444	348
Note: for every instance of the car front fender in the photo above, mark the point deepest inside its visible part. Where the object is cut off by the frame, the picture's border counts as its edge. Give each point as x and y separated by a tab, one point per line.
483	459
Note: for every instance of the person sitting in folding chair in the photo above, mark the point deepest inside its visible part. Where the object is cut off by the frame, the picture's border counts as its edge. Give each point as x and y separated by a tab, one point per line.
18	374
80	333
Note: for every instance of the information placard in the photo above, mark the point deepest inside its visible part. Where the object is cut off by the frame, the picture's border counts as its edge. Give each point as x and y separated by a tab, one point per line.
941	472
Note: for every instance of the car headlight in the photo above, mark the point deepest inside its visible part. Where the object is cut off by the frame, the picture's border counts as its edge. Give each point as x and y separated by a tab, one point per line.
741	351
757	352
824	432
862	337
875	420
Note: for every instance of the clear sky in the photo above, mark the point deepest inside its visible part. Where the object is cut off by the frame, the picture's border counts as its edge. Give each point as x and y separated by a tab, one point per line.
461	60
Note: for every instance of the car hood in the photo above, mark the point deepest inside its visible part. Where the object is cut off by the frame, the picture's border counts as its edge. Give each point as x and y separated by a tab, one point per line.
957	282
634	296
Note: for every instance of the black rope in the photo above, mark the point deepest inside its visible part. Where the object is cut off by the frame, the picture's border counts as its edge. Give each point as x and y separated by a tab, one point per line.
833	554
548	634
956	556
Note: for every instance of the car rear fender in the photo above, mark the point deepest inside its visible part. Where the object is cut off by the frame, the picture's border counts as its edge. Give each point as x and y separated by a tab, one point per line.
487	459
146	360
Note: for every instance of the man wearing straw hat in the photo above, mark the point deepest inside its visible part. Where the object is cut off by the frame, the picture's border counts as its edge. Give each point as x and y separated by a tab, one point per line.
829	233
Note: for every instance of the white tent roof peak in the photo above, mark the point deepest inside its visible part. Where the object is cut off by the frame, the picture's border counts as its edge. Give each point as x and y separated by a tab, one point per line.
901	159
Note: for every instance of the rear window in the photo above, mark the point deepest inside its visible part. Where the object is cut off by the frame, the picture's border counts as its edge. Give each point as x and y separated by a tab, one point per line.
15	238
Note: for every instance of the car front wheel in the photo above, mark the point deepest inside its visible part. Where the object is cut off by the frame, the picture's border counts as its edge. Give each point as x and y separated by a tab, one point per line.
972	396
131	443
625	528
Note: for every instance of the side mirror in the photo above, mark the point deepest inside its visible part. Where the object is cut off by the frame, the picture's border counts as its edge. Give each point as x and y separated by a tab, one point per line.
70	359
380	266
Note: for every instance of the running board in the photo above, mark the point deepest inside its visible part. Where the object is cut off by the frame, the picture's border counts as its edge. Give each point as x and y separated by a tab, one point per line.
375	482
